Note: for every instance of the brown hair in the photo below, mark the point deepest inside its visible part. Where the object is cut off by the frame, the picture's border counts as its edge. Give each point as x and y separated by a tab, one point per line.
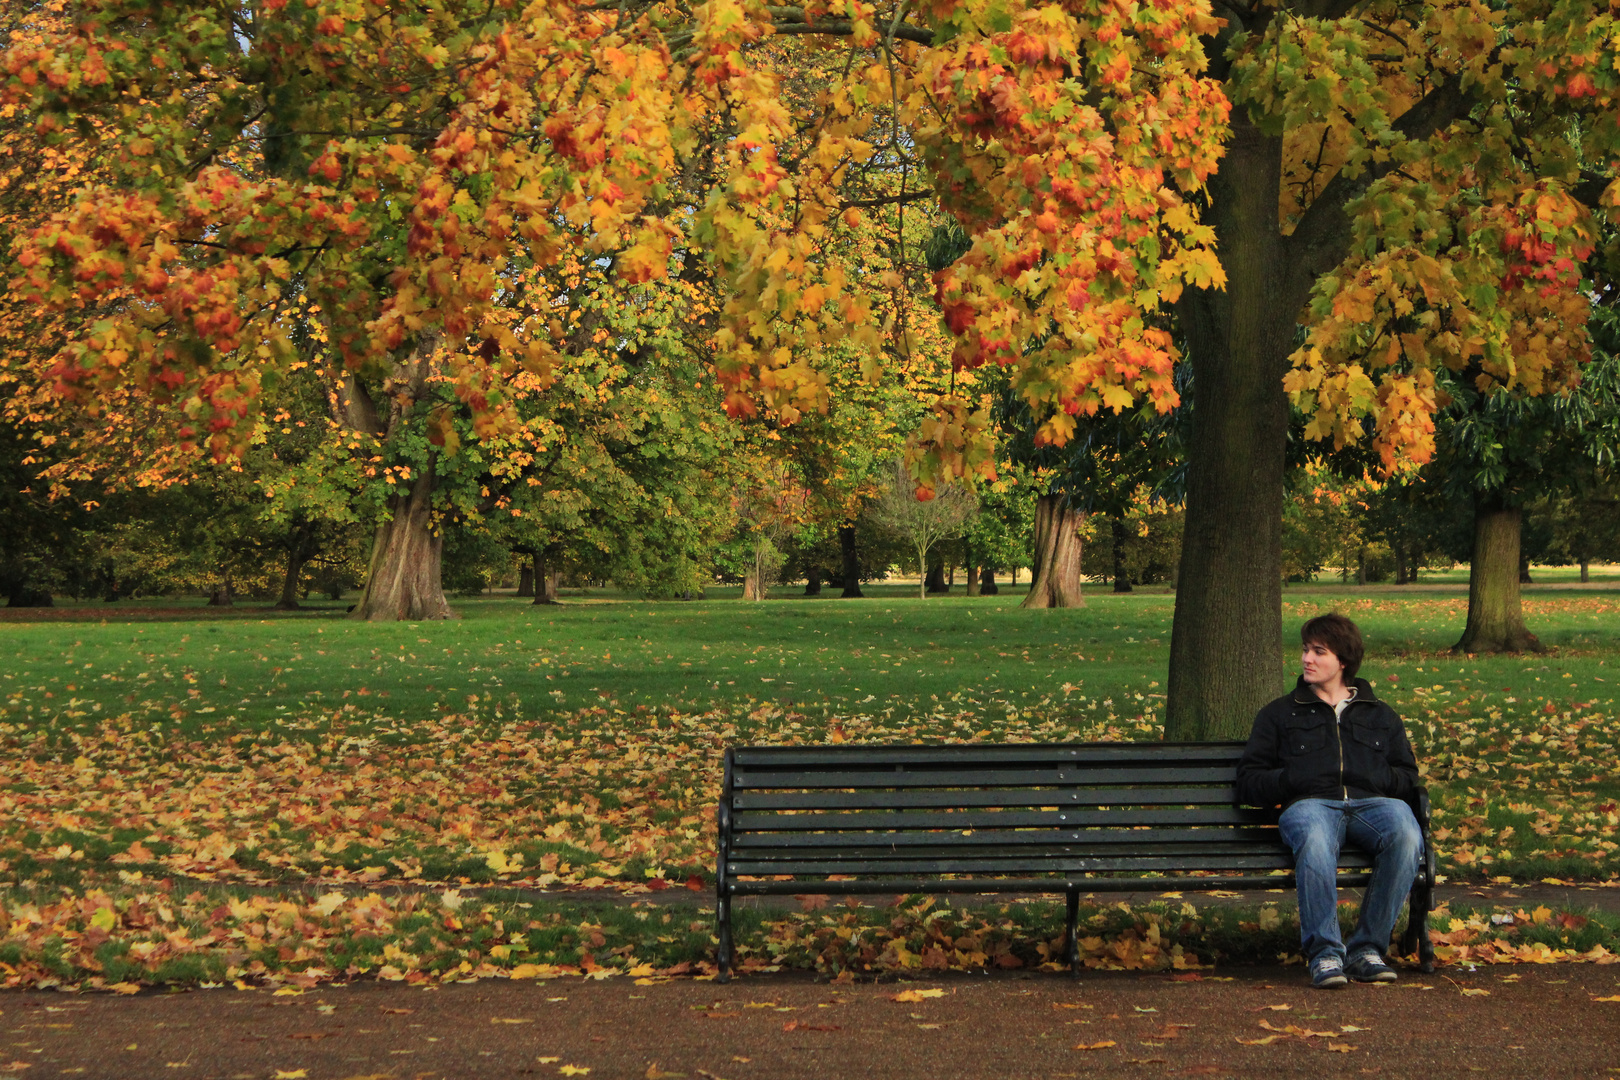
1339	636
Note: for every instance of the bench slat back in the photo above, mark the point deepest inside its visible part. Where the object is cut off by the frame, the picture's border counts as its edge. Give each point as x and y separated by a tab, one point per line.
1093	815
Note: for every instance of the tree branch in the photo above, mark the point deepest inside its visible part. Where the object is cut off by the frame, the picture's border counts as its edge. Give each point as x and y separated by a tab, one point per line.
1323	235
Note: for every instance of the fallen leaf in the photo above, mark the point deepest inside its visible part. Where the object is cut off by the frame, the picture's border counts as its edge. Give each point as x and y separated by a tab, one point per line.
291	1074
1264	1040
1611	997
1273	1008
573	1070
916	995
397	1011
548	1060
312	1036
1339	1048
510	1020
655	1073
797	1025
1105	1044
1475	991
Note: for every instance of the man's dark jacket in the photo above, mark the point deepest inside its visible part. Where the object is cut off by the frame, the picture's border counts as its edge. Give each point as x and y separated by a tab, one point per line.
1298	750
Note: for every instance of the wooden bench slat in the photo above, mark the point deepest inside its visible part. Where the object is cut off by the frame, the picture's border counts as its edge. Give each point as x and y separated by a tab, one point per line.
1021	776
1059	864
978	753
1257	837
1021	797
785	821
1214	883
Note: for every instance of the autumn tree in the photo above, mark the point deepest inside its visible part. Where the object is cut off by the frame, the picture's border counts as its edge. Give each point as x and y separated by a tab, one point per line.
1415	183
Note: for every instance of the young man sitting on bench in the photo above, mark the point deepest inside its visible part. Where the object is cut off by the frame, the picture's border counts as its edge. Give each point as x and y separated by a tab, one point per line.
1338	761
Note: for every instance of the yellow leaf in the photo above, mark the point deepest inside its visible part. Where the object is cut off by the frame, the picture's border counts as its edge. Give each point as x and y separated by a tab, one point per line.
1264	1040
1474	991
916	995
1339	1048
1611	997
1105	1044
291	1074
573	1070
510	1020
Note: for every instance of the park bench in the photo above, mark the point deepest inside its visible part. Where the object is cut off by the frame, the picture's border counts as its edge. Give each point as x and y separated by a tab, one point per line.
1041	818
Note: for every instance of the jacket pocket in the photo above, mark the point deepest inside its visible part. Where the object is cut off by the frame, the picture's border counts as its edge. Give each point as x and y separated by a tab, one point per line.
1306	735
1372	736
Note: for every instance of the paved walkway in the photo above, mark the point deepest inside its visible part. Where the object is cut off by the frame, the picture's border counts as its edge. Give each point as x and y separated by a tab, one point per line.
1502	1022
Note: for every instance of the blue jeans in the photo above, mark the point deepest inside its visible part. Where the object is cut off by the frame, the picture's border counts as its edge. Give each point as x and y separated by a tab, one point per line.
1315	829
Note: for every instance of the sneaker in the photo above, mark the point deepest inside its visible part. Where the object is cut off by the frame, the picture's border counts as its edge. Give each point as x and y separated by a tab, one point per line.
1370	967
1327	973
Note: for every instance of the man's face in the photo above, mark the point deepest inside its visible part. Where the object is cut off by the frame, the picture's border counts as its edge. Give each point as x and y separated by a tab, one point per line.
1320	666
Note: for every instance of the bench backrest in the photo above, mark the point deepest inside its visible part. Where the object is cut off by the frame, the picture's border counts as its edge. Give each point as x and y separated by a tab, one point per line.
1093	816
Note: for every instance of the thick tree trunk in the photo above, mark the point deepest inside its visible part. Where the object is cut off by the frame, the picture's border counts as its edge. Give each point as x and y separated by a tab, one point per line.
404	581
935	582
1122	577
223	595
812	582
972	580
1226	643
526	579
289	581
1495	616
1056	581
20	594
852	562
1399	548
1586	571
987	582
1524	565
545	580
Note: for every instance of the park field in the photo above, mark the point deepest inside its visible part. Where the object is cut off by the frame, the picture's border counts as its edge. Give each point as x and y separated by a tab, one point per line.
155	750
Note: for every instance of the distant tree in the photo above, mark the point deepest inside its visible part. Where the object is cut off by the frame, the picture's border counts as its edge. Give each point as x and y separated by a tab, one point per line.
924	521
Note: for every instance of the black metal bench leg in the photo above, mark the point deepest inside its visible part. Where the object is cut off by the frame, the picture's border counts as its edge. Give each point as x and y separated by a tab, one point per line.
722	915
1073	936
1425	945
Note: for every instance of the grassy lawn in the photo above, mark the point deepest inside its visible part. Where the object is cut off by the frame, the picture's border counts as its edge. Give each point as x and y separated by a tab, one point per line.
163	750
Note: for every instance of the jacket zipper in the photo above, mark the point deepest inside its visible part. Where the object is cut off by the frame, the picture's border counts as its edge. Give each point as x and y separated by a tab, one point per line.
1338	733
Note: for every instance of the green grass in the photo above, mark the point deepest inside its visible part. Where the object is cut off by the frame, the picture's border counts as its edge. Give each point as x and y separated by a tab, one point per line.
821	656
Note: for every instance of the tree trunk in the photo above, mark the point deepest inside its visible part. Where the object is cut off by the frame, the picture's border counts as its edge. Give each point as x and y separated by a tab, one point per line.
1226	642
812	582
987	582
223	595
1399	548
1495	616
1524	566
935	581
972	580
852	562
404	580
1056	574
1586	571
20	594
545	580
289	582
526	579
1122	577
751	589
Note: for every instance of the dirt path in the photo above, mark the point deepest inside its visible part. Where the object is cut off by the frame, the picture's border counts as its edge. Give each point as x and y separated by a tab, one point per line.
1531	1022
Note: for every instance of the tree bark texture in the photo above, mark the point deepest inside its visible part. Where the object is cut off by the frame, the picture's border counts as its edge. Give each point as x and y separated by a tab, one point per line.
935	581
289	582
972	580
987	582
1225	645
1122	577
1495	615
404	581
526	580
1056	582
852	562
812	582
545	579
